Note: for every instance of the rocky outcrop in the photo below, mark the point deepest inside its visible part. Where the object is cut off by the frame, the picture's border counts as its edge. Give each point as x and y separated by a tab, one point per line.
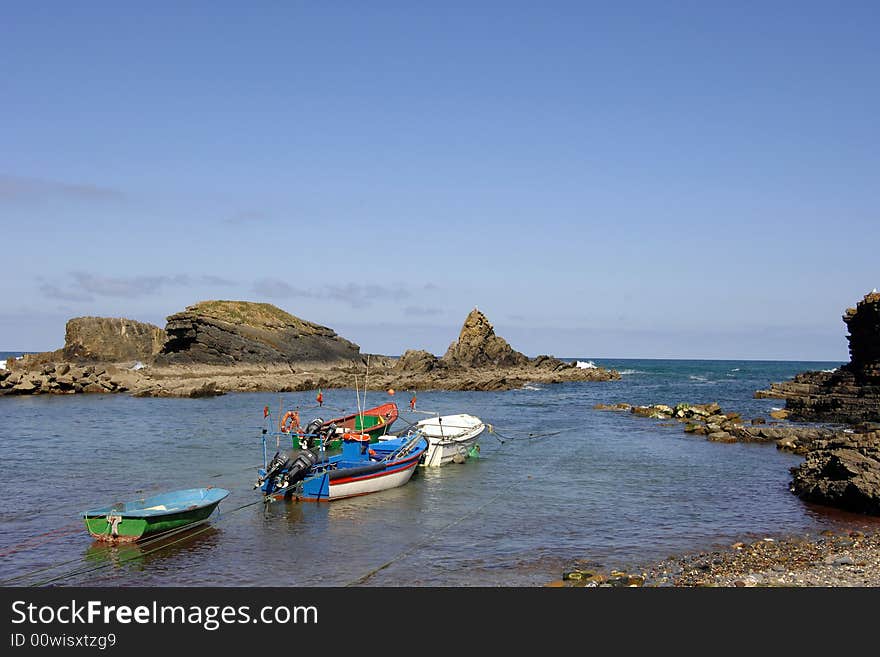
863	323
100	340
237	332
478	346
417	361
111	340
481	360
843	472
849	394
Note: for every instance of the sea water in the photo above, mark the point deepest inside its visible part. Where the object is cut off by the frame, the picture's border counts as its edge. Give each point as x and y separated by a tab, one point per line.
567	483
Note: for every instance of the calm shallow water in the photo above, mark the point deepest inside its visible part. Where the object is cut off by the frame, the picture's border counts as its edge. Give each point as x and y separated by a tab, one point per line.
610	488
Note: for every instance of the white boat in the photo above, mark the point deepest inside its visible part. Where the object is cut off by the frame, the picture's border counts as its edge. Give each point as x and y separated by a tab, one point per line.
450	437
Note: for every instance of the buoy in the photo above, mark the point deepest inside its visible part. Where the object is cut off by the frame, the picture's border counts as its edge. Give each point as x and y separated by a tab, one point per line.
390	391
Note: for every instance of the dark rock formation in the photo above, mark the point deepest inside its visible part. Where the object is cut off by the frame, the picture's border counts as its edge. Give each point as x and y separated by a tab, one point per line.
233	332
863	323
843	472
849	394
478	346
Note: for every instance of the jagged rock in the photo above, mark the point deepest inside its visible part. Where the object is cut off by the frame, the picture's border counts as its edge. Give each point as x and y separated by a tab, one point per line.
209	389
552	363
656	411
849	394
25	387
231	332
478	346
417	360
842	472
621	408
62	369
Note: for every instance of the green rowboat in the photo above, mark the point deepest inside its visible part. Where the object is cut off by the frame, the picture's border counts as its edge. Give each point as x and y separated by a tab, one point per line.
125	522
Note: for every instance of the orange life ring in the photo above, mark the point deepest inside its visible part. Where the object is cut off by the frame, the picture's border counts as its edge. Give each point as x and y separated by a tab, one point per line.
357	437
290	421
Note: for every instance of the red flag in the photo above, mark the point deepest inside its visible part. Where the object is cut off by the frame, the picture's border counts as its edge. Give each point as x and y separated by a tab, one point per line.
412	402
265	411
320	398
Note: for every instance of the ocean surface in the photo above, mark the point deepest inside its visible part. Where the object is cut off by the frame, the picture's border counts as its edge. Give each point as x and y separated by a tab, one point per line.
606	487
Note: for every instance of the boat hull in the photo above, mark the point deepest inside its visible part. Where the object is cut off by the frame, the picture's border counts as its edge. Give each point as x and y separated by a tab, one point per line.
443	452
375	422
126	522
450	437
133	529
339	484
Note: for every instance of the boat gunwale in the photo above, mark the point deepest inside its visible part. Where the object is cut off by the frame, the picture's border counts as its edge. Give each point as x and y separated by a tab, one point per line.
146	512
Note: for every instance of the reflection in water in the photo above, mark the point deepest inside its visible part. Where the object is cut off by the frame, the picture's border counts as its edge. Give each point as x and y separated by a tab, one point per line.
288	510
139	555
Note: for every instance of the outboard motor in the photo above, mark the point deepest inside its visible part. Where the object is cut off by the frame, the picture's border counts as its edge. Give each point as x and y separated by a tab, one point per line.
283	473
312	433
278	463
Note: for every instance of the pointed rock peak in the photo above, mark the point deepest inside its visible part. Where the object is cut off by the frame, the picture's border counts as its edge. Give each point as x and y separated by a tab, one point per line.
478	346
477	321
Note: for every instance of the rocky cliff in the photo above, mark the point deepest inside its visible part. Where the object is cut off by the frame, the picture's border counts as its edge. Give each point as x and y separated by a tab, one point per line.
100	340
478	346
849	394
111	339
236	332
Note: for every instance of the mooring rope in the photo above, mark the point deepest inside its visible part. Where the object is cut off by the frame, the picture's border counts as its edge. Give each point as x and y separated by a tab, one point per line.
42	539
414	548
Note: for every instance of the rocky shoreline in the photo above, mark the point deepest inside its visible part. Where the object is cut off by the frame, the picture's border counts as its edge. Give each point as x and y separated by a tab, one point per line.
233	346
720	426
848	558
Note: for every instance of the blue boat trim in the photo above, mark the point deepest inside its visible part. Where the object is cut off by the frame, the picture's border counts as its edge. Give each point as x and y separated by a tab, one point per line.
162	505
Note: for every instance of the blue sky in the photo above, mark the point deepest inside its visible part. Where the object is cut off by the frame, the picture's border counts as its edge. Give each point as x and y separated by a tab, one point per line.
629	179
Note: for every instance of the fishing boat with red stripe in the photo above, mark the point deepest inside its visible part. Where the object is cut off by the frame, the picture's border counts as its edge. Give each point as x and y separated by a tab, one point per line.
311	475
